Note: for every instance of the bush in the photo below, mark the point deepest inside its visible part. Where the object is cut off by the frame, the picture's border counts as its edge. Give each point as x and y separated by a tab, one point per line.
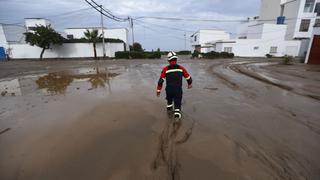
184	52
269	55
213	55
122	55
152	55
287	60
195	54
137	55
137	47
226	55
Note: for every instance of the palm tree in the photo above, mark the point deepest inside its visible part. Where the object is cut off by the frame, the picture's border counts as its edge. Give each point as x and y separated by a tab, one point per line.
93	37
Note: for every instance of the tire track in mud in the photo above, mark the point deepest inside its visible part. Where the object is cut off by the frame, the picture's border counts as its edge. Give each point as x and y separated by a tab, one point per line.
245	71
282	163
242	68
169	142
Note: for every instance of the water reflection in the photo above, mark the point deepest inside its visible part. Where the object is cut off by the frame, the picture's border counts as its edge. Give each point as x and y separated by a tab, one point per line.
57	83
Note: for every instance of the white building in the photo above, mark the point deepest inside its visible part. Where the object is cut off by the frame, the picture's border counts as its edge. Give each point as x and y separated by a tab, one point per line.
284	27
261	39
200	39
31	23
12	39
114	33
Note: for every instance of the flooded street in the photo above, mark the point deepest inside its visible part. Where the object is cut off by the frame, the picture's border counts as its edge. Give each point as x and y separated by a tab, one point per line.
243	119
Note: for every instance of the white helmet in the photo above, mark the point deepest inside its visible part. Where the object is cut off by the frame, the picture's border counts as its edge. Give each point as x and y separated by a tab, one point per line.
172	55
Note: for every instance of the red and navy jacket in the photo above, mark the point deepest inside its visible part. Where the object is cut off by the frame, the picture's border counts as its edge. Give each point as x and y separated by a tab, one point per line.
173	74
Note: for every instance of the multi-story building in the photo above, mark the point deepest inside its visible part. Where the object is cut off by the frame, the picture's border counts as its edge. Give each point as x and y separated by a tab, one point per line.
299	15
283	27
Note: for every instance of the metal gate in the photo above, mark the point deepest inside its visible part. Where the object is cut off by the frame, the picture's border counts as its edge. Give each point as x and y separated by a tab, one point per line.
2	54
314	57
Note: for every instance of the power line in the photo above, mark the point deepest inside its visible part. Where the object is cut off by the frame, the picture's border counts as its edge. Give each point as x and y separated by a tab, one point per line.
151	29
189	19
106	13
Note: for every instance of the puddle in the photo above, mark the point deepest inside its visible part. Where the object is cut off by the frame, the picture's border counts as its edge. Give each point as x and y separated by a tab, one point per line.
57	82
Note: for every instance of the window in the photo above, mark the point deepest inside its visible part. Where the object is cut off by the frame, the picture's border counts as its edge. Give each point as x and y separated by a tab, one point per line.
308	7
317	24
228	49
256	47
195	38
273	49
70	36
304	26
317	9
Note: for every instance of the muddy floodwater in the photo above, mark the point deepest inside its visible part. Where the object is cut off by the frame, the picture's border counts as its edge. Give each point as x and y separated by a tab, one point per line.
244	119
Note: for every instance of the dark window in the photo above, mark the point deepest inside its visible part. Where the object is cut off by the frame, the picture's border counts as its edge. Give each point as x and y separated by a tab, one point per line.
317	9
195	38
308	7
273	49
70	36
304	26
317	24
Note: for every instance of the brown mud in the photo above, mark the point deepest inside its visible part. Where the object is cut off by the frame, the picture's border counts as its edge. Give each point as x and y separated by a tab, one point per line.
243	119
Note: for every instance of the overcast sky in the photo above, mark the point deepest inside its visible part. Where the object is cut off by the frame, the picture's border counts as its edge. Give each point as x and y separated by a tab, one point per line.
148	32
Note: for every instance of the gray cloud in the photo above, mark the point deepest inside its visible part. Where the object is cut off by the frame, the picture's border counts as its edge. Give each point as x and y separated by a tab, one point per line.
152	37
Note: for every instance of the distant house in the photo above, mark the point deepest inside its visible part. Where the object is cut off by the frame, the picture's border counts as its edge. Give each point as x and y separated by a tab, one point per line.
114	33
200	39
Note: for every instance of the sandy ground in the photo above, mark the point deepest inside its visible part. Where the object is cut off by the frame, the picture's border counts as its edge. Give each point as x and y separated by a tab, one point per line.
245	119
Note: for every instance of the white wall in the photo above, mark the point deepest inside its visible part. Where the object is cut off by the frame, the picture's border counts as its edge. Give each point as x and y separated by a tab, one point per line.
242	29
120	33
67	50
3	40
272	31
212	35
255	31
36	22
245	47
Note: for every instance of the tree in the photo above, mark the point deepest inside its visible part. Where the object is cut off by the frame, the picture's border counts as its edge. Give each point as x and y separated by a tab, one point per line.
43	37
93	37
137	47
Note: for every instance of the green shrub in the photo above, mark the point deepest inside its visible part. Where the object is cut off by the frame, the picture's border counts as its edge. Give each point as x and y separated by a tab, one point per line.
269	55
184	52
195	54
137	55
122	55
226	55
152	55
287	60
213	55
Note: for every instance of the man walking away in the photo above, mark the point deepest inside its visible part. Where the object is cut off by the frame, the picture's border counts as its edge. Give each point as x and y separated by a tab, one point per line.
173	74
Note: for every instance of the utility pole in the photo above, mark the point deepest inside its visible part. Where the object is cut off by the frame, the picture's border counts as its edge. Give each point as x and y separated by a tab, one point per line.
102	30
132	31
